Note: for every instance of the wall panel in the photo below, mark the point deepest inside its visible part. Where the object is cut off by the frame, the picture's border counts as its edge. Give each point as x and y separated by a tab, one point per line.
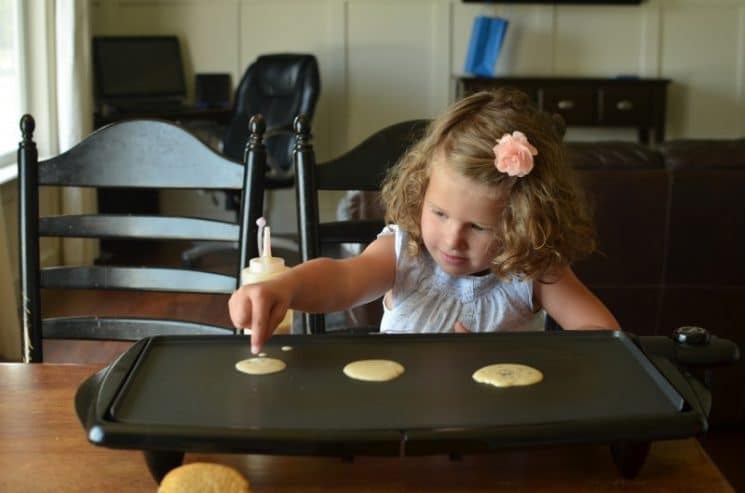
391	63
602	41
10	335
297	26
528	45
701	51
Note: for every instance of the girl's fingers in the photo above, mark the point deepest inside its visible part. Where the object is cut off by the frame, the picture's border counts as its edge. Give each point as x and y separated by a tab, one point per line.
276	316
261	307
258	312
460	328
239	308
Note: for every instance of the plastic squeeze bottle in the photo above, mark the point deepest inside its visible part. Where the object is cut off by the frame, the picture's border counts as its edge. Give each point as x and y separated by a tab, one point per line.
264	267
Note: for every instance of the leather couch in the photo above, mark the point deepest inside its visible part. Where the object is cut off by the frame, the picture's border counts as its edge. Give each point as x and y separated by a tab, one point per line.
705	256
671	235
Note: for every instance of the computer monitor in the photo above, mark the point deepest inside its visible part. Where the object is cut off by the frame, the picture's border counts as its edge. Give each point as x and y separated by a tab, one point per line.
138	69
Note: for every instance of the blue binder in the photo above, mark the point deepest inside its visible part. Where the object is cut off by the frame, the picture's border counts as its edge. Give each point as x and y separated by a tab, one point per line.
487	36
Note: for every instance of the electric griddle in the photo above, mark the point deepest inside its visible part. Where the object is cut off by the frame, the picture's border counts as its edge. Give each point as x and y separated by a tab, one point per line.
174	394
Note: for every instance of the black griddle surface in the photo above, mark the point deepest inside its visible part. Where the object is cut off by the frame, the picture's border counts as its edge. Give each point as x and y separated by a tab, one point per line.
191	382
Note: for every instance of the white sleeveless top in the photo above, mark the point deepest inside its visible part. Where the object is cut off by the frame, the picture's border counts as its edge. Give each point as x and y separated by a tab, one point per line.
428	300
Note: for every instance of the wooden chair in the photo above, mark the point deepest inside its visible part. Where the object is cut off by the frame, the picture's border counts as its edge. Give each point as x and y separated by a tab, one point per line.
139	154
362	168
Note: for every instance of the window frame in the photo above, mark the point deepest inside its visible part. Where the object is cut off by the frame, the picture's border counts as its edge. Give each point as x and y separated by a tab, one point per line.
8	159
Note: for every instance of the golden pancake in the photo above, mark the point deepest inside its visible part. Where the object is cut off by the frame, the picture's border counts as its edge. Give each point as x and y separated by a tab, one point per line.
508	375
260	366
373	370
202	477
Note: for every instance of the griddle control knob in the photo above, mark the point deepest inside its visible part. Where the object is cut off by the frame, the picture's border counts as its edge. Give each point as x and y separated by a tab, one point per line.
691	335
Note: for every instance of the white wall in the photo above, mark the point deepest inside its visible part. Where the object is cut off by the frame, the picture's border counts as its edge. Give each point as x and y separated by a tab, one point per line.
10	335
384	60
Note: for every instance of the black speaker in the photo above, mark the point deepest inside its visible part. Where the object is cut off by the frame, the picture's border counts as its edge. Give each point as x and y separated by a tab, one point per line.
212	90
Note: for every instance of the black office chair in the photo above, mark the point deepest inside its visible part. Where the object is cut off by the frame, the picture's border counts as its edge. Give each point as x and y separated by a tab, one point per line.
140	154
279	87
362	168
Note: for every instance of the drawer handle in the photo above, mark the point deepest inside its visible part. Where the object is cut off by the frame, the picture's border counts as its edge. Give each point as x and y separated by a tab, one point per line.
624	105
565	104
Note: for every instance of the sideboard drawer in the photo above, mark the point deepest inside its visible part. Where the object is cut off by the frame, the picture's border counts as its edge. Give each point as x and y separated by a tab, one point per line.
575	104
624	105
589	102
470	86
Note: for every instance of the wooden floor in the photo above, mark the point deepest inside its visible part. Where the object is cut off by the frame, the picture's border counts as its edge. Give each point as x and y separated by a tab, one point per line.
725	444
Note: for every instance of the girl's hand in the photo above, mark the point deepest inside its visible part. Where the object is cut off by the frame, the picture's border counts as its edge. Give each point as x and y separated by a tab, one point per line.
260	307
460	328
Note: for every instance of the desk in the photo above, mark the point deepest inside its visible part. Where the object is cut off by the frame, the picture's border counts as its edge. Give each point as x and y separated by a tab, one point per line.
181	115
133	201
590	102
43	448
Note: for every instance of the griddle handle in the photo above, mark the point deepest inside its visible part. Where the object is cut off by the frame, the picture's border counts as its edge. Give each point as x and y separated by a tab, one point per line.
692	389
95	394
85	396
716	352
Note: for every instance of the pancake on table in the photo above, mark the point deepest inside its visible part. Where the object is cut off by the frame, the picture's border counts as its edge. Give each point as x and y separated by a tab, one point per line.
199	477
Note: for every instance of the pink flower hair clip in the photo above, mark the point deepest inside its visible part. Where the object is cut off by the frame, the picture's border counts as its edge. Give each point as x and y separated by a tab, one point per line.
513	154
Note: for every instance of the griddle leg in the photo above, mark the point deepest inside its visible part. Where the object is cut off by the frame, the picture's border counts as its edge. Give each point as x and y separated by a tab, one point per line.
159	462
629	457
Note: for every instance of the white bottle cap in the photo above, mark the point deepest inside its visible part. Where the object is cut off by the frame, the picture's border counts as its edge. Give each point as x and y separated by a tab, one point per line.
266	264
262	267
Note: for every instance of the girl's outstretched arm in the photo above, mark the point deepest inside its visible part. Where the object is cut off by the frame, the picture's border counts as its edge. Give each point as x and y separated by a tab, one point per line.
571	304
317	286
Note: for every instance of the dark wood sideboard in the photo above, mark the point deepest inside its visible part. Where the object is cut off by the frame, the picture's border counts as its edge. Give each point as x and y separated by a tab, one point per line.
590	102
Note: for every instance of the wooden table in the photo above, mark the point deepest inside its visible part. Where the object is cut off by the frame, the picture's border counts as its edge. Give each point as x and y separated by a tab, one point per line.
43	448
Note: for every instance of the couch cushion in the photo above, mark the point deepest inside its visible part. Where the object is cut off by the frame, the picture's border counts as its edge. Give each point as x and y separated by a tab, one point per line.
702	153
707	228
612	155
630	214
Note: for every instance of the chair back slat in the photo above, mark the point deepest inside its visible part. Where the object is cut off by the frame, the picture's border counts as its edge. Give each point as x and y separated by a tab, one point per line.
142	154
137	227
123	329
136	278
364	167
362	231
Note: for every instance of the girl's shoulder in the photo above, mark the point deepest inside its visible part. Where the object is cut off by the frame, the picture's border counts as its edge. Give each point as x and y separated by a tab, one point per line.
390	229
400	237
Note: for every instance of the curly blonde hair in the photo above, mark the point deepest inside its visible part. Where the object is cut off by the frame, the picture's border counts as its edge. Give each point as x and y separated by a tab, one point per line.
545	223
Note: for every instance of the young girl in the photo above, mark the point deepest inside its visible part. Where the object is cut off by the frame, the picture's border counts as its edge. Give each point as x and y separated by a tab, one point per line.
484	223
